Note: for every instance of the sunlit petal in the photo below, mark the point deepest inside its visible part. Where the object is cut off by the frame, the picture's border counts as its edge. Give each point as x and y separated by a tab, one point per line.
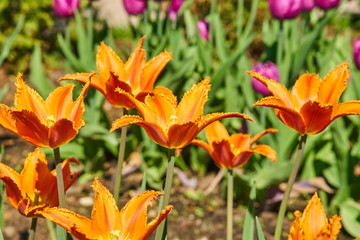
6	119
84	78
61	132
216	132
347	108
266	151
135	64
125	120
258	136
316	116
306	88
58	99
181	135
206	147
239	142
12	181
293	121
77	109
210	118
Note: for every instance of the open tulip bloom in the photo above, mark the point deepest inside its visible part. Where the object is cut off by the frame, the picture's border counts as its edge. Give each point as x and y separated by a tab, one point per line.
107	222
50	123
136	77
173	125
313	104
313	223
36	186
233	151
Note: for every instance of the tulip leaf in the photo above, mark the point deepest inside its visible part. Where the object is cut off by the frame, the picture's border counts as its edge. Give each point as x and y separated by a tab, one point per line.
260	234
220	41
248	232
350	214
70	56
4	91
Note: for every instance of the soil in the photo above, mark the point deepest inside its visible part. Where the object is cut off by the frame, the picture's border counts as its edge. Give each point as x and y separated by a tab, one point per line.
202	218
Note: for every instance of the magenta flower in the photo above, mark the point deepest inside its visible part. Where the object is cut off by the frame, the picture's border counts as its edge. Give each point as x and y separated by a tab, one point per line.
307	5
134	7
174	8
66	8
356	52
327	4
268	70
285	9
203	27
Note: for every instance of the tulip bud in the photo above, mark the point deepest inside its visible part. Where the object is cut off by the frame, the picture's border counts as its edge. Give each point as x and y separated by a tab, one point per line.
285	9
356	52
307	5
327	4
268	70
174	8
65	8
203	27
134	7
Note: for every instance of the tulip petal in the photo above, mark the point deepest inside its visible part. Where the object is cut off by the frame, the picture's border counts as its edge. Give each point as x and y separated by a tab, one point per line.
293	121
208	148
134	216
12	181
6	118
159	109
258	136
216	132
224	155
241	159
266	151
29	175
77	109
28	99
277	89
61	132
84	78
77	225
31	129
152	70
239	142
192	104
210	118
57	101
347	108
334	84
105	214
166	92
306	88
181	135
316	116
135	64
113	96
125	120
107	60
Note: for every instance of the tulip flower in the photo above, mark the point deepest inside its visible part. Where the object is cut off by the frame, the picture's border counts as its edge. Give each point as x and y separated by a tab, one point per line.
107	222
269	70
66	8
135	77
203	27
327	4
313	223
307	5
233	151
285	9
134	7
356	52
50	123
174	8
313	104
169	124
35	187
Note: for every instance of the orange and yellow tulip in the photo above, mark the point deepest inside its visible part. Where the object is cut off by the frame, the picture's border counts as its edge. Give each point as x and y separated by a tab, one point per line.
136	76
169	124
35	187
313	224
50	123
313	104
107	222
233	151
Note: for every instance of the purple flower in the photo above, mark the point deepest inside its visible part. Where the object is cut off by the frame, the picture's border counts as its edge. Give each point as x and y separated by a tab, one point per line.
268	70
356	52
134	7
66	8
307	5
174	8
285	9
327	4
203	27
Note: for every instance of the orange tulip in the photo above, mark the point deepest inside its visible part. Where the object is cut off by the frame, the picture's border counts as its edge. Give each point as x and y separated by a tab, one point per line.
35	187
313	224
135	77
172	125
313	104
107	222
49	123
233	151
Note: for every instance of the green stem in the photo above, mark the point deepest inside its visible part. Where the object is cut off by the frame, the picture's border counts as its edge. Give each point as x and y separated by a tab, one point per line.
292	177
61	233
51	229
120	160
229	213
279	49
34	219
160	231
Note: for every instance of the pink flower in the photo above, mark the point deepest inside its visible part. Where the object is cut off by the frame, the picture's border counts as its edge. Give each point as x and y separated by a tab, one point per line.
307	5
66	8
134	7
203	27
356	52
285	9
268	70
174	8
327	4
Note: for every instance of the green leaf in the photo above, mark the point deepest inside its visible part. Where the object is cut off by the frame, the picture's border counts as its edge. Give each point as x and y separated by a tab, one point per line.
220	40
4	91
248	232
260	234
350	214
70	56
